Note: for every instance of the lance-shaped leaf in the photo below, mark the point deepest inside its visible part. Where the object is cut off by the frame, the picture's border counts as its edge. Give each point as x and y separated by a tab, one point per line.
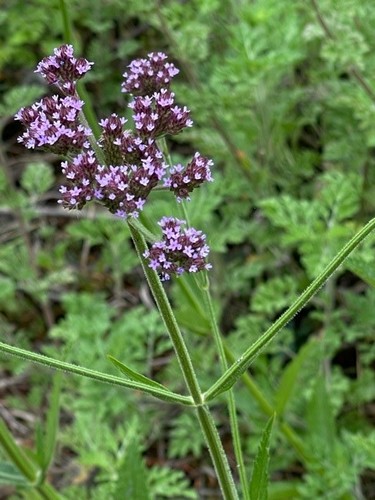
259	479
321	429
136	376
46	442
10	475
291	376
19	458
147	384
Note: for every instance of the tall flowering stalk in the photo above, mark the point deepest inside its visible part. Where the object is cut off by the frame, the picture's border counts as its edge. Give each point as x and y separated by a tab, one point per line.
119	171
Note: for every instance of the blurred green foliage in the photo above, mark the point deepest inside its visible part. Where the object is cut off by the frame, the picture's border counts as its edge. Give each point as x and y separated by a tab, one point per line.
283	99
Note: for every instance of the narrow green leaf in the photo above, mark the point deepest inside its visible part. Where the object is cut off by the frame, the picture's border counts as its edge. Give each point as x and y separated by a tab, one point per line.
39	444
9	475
52	422
16	454
133	375
290	377
259	479
321	431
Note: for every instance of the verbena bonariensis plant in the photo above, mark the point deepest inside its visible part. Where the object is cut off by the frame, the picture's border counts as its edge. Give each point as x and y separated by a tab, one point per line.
119	170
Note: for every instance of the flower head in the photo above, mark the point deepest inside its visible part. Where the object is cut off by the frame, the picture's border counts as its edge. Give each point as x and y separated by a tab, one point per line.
122	188
53	124
180	250
183	180
63	69
80	173
146	76
158	115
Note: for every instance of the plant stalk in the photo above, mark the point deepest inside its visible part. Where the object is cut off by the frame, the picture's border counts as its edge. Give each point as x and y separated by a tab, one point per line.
230	377
205	419
95	375
231	400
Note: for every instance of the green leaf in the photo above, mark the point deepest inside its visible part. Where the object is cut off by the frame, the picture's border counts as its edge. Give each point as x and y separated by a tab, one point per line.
259	479
9	475
321	426
274	295
52	422
340	194
362	268
294	216
132	482
169	483
17	97
37	178
284	490
39	443
20	459
291	376
183	438
133	375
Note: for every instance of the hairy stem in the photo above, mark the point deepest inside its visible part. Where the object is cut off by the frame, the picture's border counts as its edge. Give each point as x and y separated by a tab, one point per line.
93	374
205	419
231	400
231	376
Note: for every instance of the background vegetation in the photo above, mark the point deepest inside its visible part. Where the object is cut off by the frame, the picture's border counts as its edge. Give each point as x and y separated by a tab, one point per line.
283	98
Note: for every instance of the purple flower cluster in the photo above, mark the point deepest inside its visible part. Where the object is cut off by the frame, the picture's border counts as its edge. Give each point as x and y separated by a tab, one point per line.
156	116
53	124
63	69
180	250
183	180
123	166
146	76
123	187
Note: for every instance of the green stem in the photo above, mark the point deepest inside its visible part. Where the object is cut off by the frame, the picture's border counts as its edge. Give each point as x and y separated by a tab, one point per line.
89	111
168	318
67	24
217	453
247	380
231	399
95	375
230	377
205	419
48	492
68	37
